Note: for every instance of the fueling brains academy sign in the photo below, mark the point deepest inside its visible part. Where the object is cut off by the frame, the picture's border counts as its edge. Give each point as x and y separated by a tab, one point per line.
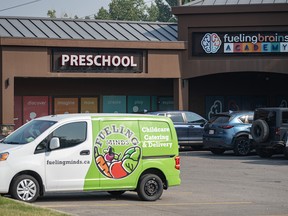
240	43
97	60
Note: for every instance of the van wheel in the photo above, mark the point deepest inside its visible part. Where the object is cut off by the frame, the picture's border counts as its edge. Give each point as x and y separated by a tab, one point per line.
260	130
217	151
116	193
242	146
150	187
25	188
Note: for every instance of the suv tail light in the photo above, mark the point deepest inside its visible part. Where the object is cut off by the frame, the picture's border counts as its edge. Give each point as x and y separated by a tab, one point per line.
177	162
277	131
226	126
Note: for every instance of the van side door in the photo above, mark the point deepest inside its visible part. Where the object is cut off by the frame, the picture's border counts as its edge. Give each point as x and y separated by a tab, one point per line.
67	166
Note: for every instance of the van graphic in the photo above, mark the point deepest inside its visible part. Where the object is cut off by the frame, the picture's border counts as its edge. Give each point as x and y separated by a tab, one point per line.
112	165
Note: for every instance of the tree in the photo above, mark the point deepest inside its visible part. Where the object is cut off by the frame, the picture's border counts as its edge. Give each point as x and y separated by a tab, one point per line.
51	13
153	13
165	14
102	14
132	10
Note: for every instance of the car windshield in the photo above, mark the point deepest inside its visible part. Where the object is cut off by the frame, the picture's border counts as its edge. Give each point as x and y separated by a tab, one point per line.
194	118
28	132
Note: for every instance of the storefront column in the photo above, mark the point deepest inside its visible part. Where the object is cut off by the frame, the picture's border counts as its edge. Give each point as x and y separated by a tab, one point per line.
181	90
7	104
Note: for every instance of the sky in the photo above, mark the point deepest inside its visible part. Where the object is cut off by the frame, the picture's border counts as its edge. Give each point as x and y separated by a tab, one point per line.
39	8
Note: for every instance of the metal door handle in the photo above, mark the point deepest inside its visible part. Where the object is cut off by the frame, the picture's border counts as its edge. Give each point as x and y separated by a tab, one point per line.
85	152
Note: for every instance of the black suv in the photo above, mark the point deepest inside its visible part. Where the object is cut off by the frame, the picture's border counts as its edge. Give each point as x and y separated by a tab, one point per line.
270	131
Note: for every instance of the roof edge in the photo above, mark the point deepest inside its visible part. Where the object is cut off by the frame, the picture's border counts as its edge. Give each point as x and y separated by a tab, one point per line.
228	9
85	20
44	42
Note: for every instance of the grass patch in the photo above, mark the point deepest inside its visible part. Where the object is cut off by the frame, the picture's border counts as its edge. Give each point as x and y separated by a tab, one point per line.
9	207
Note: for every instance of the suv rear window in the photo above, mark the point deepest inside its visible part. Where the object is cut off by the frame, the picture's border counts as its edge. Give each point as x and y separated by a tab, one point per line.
219	119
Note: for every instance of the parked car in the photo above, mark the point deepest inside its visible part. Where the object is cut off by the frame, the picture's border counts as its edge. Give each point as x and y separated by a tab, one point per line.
229	131
270	131
189	127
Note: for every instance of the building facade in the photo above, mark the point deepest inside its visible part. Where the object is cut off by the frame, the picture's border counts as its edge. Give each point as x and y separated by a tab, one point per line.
219	56
67	66
237	56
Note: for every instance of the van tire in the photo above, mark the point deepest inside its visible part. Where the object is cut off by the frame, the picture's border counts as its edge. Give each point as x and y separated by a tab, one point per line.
25	188
242	146
260	130
150	187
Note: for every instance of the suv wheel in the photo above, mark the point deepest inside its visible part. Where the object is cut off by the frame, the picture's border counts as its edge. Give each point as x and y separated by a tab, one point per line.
242	146
264	153
260	130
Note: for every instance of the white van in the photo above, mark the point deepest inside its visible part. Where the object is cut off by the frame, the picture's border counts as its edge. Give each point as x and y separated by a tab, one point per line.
84	152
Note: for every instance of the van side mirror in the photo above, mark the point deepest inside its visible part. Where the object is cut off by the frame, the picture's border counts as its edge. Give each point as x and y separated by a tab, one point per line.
54	143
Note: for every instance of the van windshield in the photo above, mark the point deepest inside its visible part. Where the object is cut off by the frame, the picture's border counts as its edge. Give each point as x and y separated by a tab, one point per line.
29	132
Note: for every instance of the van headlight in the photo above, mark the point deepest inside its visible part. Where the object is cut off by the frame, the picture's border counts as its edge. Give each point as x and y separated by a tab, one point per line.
4	156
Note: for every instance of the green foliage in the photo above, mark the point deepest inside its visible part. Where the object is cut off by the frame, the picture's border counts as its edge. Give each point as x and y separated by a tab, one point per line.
124	10
164	11
102	14
137	10
134	10
153	13
9	207
51	13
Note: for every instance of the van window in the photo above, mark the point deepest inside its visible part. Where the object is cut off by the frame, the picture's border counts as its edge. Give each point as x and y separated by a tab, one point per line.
71	134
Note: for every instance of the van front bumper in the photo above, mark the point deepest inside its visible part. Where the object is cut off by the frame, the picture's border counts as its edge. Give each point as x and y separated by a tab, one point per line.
5	177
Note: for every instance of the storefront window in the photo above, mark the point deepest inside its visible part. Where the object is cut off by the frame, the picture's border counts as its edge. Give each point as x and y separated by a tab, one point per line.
34	107
114	104
89	105
165	103
138	104
65	105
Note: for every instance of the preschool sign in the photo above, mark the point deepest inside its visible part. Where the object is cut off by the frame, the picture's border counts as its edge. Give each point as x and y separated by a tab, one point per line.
239	43
97	60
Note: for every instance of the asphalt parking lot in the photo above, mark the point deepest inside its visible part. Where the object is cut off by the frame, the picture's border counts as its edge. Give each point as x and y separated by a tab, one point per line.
211	185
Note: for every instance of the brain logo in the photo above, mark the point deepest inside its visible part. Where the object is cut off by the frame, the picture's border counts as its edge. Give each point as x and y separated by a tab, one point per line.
211	42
